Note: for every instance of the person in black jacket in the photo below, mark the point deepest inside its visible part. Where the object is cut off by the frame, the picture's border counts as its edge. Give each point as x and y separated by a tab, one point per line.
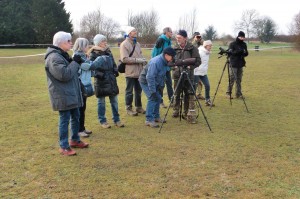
238	51
105	81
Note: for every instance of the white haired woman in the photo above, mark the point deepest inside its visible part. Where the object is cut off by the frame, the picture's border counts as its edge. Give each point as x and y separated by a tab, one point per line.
64	90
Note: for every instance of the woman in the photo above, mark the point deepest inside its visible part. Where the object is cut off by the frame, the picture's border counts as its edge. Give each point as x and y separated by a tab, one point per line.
201	71
80	48
105	80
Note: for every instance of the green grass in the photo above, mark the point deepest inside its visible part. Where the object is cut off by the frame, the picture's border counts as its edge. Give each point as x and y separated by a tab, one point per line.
248	155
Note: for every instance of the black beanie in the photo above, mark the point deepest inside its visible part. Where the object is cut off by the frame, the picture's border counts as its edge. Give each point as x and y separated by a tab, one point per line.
182	33
169	51
241	34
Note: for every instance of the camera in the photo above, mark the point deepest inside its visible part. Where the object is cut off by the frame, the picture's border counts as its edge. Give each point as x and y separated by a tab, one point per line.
182	62
224	52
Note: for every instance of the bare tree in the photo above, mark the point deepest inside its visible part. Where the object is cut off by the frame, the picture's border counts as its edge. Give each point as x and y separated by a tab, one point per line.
146	23
97	23
247	21
295	30
189	22
264	28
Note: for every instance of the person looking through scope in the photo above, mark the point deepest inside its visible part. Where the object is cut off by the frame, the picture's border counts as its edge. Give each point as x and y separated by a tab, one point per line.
184	49
237	51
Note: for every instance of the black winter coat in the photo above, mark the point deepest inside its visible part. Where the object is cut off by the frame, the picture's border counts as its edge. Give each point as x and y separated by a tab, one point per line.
238	50
106	71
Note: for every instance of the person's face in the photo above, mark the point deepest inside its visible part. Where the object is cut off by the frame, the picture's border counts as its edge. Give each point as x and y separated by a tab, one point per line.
66	46
208	47
180	40
241	38
103	44
133	34
169	34
198	37
168	57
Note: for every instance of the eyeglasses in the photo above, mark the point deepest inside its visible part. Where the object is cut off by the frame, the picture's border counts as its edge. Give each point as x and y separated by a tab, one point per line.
69	41
198	37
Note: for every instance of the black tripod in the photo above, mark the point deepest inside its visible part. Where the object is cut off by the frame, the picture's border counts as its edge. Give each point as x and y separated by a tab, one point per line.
184	74
229	68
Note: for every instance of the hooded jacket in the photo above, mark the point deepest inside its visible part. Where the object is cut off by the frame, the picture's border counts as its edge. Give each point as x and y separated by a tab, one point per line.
63	80
238	50
204	55
162	42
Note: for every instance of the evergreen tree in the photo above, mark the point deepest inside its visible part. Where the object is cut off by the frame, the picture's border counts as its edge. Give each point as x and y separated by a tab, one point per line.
210	33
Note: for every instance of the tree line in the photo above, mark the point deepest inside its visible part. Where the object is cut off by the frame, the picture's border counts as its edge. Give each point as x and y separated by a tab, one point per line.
36	21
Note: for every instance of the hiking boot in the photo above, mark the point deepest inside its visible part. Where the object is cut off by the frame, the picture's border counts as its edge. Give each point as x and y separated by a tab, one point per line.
151	124
184	116
67	152
208	103
240	97
119	124
199	96
159	120
162	105
175	114
140	110
228	96
131	112
105	125
88	131
83	134
78	144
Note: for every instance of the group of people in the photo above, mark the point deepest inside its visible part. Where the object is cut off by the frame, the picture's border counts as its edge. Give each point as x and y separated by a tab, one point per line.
70	79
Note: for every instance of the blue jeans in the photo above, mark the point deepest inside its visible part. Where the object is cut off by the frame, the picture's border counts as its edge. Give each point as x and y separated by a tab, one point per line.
133	83
114	107
152	109
204	80
170	91
64	119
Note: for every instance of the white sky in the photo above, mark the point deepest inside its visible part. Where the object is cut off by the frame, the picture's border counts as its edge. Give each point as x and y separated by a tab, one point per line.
221	14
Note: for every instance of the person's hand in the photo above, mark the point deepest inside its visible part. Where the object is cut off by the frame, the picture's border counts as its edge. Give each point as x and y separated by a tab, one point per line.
141	61
78	59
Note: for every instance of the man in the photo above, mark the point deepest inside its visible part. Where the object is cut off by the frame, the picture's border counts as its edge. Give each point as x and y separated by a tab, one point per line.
184	50
64	90
197	42
152	82
238	51
134	67
163	42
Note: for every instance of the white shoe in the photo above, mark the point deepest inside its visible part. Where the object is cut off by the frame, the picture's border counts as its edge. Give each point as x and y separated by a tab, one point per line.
83	134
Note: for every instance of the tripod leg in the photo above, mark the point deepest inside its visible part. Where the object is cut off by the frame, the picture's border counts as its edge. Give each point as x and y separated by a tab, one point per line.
230	81
218	85
172	100
238	86
194	92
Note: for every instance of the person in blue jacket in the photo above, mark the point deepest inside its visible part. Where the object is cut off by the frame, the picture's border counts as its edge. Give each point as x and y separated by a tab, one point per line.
164	41
152	82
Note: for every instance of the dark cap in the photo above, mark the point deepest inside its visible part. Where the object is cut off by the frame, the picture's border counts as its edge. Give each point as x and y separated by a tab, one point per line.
241	34
169	51
196	34
182	33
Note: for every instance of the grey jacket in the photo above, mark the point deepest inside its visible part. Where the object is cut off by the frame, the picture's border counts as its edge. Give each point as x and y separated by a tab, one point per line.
63	80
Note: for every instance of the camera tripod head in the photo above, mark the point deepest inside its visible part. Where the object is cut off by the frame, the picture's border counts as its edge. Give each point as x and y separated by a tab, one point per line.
224	52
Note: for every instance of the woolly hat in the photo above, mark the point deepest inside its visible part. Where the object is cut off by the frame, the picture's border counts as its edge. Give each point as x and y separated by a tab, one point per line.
169	51
196	34
98	39
129	30
182	33
206	43
241	34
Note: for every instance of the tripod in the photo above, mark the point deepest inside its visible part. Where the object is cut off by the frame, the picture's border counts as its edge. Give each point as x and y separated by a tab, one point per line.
183	75
229	68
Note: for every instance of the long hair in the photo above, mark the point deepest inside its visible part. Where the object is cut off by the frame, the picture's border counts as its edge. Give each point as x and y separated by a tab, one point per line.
80	44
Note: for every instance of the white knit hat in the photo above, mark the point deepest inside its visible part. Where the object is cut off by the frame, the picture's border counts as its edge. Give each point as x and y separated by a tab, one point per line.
129	30
98	39
206	43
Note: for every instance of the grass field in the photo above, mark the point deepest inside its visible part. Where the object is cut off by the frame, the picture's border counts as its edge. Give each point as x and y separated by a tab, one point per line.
248	155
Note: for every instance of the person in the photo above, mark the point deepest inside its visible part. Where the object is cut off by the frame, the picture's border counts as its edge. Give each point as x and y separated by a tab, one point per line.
201	71
197	42
152	82
134	67
184	49
80	48
64	90
105	81
238	52
164	41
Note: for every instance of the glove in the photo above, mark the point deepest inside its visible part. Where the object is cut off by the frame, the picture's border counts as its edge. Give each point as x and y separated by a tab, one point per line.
78	59
141	61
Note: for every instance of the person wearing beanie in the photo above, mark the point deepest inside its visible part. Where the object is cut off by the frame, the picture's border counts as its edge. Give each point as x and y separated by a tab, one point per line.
197	41
164	41
152	82
201	71
184	49
64	90
133	69
238	51
105	81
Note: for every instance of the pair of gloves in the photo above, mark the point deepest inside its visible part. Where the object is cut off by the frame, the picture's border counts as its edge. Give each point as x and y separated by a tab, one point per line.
77	58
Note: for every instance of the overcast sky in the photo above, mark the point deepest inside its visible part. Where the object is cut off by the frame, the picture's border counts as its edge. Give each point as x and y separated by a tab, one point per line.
220	14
